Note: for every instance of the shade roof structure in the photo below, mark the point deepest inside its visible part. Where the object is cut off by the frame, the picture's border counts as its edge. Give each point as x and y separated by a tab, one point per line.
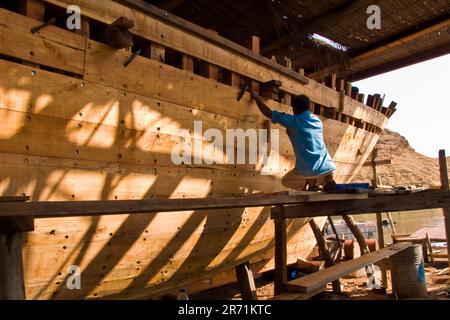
328	36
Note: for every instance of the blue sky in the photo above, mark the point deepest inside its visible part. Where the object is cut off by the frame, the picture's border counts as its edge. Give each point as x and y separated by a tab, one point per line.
422	93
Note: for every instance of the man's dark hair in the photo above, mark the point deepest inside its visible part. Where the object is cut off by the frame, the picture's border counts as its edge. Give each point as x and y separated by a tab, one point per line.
300	104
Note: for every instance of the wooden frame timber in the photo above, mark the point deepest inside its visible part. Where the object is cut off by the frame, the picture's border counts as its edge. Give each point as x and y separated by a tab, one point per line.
48	209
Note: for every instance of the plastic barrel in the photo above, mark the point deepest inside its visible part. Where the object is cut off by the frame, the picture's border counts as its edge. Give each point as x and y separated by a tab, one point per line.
408	274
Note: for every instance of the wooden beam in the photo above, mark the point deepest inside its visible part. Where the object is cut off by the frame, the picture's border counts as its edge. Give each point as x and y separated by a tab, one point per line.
403	62
246	282
280	254
12	284
321	278
314	26
86	208
406	202
393	42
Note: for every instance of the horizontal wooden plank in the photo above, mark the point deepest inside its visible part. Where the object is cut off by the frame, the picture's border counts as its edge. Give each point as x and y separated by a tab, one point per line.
88	208
407	202
53	47
317	280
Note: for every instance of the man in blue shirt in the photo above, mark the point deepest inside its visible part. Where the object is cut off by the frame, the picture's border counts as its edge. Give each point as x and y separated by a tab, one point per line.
313	166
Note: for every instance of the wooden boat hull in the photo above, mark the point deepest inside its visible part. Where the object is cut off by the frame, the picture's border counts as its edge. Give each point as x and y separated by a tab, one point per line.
78	125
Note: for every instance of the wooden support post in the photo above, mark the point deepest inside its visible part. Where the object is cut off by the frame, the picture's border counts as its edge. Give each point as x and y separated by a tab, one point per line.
325	254
12	285
157	52
280	252
246	282
381	243
34	9
445	186
187	63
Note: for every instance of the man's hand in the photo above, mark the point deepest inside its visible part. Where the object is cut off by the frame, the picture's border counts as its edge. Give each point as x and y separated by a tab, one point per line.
265	110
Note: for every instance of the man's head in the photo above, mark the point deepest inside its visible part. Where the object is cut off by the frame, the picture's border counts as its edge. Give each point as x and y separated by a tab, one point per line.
300	104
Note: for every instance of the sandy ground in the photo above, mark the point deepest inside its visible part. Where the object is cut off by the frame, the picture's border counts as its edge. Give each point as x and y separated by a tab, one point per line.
438	287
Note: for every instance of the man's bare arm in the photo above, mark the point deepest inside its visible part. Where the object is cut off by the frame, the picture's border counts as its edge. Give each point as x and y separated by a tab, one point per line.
265	110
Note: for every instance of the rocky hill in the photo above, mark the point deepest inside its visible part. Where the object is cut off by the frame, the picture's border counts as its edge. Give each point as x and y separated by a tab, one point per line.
408	167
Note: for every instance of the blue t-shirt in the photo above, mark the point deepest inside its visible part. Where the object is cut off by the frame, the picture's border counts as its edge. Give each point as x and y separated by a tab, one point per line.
306	130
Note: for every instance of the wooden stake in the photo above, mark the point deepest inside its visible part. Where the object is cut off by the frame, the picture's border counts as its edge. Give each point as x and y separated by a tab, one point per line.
246	282
280	253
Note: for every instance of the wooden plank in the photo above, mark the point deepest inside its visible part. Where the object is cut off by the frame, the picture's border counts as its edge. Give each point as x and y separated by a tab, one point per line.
321	278
415	201
246	282
12	282
85	208
17	41
280	254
